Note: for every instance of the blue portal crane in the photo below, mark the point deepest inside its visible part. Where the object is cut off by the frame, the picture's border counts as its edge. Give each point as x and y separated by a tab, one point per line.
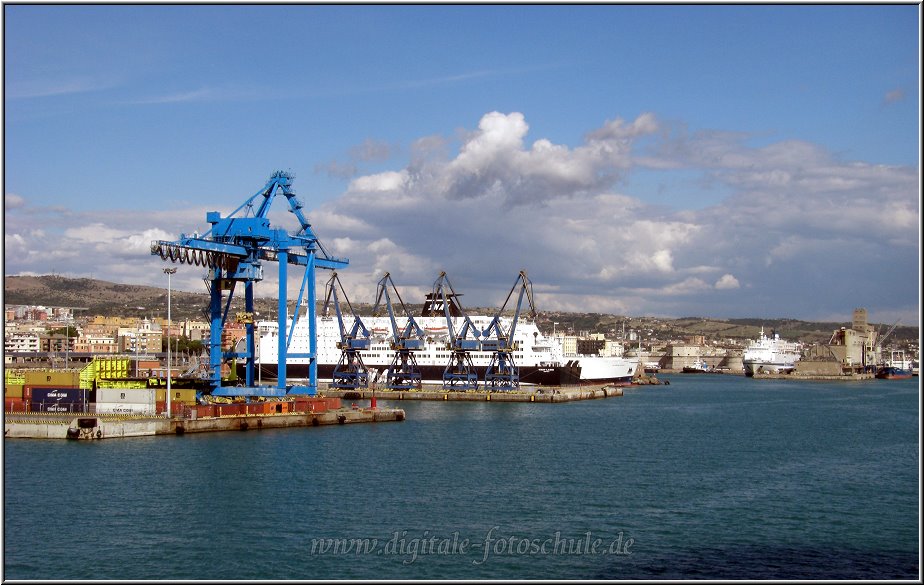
233	251
459	373
403	373
502	372
350	371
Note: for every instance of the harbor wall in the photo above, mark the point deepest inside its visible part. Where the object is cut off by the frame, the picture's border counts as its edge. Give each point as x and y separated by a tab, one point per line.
89	427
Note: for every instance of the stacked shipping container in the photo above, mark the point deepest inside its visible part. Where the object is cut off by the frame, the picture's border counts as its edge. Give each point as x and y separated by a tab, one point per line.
82	391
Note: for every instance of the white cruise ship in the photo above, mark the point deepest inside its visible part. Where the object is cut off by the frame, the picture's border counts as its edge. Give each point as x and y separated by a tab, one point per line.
771	355
540	359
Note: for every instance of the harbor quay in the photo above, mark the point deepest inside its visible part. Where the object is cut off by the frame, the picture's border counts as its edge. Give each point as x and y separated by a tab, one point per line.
814	377
89	426
546	394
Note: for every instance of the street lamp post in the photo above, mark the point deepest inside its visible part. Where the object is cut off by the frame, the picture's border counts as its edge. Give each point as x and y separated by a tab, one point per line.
168	272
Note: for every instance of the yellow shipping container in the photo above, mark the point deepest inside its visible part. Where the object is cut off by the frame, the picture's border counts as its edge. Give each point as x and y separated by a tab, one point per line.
112	367
184	395
15	376
88	376
125	384
13	391
59	378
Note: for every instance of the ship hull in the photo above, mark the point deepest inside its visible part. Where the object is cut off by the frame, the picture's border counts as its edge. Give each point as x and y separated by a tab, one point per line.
529	375
757	367
540	360
891	373
771	355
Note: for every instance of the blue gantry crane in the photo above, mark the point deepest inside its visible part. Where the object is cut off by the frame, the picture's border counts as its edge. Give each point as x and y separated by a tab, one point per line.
233	251
403	373
459	373
502	372
350	371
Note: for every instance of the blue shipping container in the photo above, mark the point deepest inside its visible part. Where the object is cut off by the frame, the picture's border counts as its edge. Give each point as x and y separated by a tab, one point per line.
58	400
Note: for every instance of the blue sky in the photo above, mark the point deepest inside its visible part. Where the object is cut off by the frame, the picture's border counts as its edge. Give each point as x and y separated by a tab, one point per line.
724	161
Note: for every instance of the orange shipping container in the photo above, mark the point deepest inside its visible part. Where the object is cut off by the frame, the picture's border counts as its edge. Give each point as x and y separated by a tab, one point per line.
175	407
15	405
231	409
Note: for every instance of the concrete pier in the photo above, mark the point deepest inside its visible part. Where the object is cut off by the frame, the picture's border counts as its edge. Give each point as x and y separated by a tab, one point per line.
548	394
101	426
816	377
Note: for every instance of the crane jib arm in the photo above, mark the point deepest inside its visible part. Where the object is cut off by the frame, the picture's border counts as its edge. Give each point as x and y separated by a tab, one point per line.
233	250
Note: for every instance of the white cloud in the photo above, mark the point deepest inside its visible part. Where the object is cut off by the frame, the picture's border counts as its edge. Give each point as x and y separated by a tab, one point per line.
727	282
471	213
13	201
796	218
388	181
94	233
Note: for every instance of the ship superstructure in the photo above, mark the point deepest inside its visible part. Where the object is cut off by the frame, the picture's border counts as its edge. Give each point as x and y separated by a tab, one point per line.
540	358
771	355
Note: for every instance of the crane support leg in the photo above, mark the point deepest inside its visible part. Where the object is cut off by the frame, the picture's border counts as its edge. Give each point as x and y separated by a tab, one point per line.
403	374
282	311
350	372
215	334
460	373
285	339
248	307
312	326
502	372
234	249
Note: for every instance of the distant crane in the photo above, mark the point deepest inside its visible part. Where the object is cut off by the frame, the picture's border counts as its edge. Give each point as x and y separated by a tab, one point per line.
403	373
233	251
350	371
889	332
459	373
502	372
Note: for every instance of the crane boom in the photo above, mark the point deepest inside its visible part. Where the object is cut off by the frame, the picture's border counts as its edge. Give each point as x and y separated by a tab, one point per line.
350	371
459	373
890	331
233	251
502	371
403	373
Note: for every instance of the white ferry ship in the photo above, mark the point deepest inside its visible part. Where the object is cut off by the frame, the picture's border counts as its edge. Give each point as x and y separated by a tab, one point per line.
540	359
771	355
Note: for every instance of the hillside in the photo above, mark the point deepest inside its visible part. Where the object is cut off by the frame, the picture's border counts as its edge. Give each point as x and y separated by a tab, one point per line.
126	300
99	297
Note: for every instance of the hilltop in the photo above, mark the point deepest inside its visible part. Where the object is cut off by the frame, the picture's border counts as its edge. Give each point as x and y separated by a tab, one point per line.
127	300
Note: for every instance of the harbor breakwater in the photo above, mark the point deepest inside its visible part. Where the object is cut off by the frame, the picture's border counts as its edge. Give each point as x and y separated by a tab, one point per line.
93	427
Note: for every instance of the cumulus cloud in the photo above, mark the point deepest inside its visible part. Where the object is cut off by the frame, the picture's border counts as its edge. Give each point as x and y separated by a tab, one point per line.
794	227
13	201
727	282
368	151
502	204
494	162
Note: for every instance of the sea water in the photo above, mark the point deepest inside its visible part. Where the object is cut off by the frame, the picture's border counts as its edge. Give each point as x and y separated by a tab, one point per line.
710	477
